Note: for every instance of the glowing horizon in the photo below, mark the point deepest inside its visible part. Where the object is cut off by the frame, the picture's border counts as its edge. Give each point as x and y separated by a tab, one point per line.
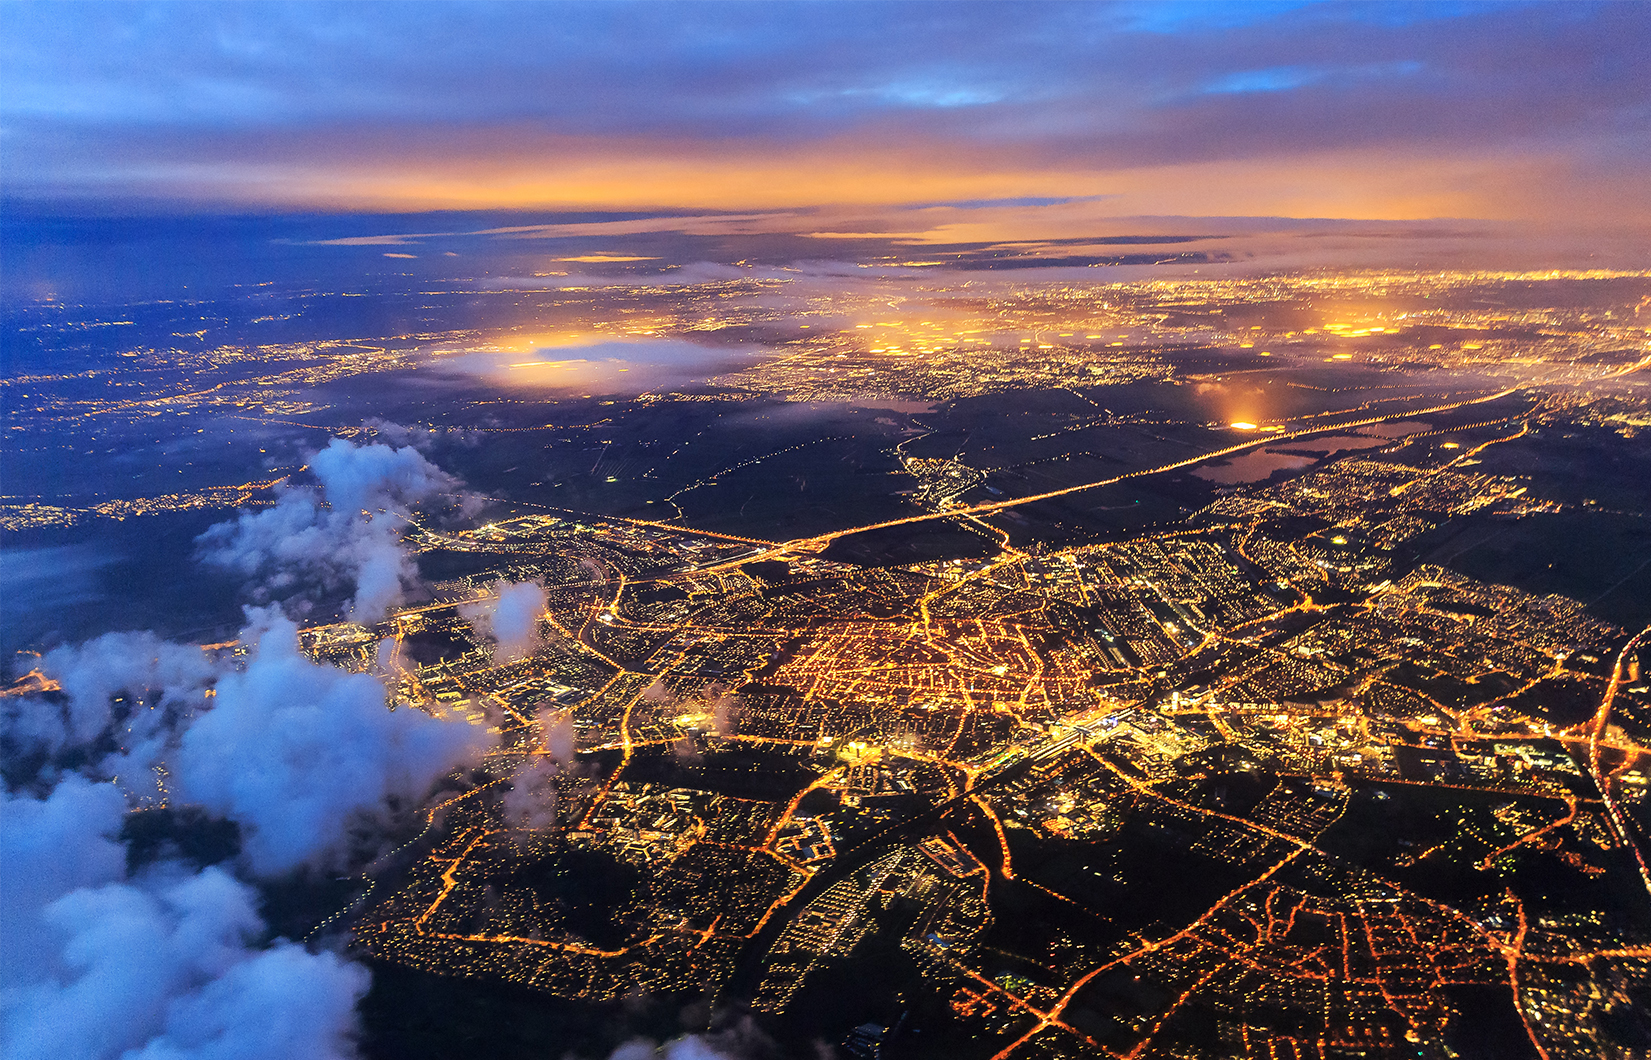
945	125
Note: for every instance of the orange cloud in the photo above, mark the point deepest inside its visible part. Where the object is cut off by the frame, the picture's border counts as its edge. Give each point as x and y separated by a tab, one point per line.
862	177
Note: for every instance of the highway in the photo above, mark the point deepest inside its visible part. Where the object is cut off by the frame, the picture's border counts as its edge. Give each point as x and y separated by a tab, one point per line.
820	542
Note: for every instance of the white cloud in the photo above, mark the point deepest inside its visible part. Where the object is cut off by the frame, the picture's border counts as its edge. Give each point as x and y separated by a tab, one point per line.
96	965
742	1040
510	618
163	683
282	1002
347	534
161	968
48	848
294	750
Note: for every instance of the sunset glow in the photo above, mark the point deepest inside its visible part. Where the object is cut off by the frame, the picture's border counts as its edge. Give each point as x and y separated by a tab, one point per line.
897	120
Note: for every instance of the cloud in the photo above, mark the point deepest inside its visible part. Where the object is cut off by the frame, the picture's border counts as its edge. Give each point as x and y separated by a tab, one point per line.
161	969
552	768
530	804
741	1040
347	534
725	709
51	577
578	364
48	848
509	618
357	478
282	1002
99	964
165	966
161	684
295	750
399	434
555	734
94	965
787	107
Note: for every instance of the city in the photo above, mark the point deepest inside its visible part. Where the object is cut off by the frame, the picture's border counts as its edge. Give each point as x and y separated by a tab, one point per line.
852	531
740	767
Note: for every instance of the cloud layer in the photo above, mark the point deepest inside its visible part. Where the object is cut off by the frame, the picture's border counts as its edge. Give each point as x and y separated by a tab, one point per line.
161	969
1514	110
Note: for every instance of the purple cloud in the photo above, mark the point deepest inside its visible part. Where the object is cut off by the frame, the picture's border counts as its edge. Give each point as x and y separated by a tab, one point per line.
254	101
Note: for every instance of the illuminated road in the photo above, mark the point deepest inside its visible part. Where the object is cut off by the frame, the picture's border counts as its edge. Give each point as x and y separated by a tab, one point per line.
821	541
1596	728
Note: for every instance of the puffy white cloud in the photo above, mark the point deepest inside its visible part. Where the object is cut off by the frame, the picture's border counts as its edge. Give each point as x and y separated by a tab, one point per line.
530	804
48	848
293	750
510	618
281	1003
555	734
398	434
689	1047
166	966
128	949
725	709
96	966
347	534
359	478
161	968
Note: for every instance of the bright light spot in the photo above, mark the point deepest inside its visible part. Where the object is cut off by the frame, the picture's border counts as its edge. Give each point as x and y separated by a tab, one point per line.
597	258
1240	425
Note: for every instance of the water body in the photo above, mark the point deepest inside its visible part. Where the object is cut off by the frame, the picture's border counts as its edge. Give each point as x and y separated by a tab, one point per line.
1252	467
1263	463
1332	444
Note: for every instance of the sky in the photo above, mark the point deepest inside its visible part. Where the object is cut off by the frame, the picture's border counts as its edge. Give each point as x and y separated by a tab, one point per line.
940	122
